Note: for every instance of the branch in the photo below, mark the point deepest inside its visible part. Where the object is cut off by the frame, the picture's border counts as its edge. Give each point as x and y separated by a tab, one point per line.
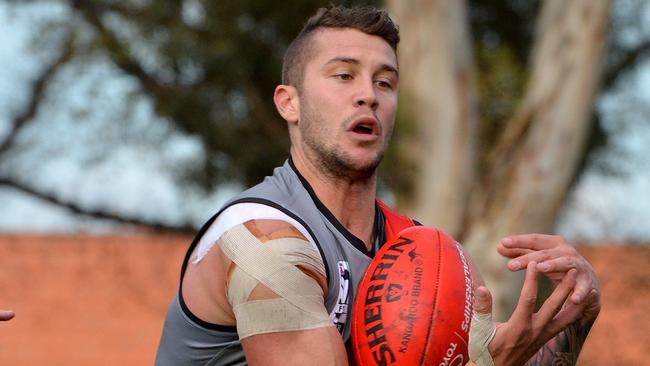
118	52
164	95
630	59
95	213
37	93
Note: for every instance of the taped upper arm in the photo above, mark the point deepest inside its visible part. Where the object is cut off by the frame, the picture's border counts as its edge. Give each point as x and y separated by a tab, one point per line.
276	281
266	230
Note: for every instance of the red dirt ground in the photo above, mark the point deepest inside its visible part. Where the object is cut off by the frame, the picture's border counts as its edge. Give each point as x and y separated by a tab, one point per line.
88	300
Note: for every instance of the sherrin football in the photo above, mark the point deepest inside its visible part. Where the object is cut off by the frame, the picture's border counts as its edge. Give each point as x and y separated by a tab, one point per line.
414	303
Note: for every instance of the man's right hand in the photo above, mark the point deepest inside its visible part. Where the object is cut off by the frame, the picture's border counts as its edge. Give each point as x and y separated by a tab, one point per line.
6	315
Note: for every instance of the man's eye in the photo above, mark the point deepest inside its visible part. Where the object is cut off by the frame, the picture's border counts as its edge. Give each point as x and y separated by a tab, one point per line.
344	76
384	84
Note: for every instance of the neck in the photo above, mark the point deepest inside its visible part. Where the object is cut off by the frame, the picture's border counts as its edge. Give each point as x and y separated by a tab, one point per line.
351	201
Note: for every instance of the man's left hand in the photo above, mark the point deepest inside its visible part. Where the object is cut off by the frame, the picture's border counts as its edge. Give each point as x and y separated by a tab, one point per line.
555	258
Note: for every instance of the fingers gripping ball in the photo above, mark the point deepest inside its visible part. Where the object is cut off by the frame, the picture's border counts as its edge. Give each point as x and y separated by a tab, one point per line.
414	303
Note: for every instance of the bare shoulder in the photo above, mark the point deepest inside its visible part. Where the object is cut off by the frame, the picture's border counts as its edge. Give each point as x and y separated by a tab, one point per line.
205	283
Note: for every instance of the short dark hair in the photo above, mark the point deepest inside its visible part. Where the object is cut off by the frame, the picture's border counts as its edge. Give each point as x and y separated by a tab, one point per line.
367	19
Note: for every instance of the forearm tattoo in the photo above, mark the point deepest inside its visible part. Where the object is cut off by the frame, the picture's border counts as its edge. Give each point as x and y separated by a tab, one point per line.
563	350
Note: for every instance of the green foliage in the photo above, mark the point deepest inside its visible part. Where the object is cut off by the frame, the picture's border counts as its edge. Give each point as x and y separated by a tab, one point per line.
503	32
501	83
210	67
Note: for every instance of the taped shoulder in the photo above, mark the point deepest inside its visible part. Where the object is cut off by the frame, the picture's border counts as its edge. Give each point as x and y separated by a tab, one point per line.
276	283
266	230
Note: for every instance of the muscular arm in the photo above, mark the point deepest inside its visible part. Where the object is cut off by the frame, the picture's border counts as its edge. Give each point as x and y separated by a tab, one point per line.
555	258
321	345
232	278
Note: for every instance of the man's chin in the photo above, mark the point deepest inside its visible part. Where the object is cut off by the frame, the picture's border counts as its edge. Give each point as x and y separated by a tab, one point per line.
348	166
362	168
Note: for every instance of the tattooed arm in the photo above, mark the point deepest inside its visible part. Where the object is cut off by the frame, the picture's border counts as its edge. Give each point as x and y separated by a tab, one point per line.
555	257
565	348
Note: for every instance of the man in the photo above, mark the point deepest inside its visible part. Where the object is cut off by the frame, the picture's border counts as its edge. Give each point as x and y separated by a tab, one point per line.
270	279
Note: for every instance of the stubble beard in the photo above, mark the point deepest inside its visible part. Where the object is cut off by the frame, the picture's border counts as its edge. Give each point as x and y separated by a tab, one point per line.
333	160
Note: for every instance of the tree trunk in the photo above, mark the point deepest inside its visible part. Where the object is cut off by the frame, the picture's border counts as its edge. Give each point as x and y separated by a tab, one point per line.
436	88
533	163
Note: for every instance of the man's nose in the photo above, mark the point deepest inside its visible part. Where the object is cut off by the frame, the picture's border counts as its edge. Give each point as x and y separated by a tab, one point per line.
366	95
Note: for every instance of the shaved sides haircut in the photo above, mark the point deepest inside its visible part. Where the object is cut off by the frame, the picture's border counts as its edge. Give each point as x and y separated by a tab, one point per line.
366	19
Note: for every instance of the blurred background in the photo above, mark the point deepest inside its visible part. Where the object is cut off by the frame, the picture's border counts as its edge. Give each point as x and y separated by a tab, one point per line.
124	125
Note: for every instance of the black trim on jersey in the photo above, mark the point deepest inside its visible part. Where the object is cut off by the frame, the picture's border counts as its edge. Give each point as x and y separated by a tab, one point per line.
202	231
201	322
380	229
355	241
186	260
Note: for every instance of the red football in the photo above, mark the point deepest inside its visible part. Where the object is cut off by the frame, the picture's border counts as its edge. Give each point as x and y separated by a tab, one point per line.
414	303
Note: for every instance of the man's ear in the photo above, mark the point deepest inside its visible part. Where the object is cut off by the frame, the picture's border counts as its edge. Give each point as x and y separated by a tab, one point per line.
287	103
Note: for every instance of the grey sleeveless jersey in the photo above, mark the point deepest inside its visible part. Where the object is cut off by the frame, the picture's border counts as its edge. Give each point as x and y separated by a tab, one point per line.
187	340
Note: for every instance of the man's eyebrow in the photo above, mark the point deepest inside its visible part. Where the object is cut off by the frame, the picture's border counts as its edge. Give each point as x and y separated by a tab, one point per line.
347	60
354	61
390	68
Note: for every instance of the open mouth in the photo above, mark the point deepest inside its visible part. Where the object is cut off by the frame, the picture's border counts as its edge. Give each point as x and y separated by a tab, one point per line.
363	129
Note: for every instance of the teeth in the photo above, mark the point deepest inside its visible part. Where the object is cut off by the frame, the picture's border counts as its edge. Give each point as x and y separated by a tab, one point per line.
364	128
